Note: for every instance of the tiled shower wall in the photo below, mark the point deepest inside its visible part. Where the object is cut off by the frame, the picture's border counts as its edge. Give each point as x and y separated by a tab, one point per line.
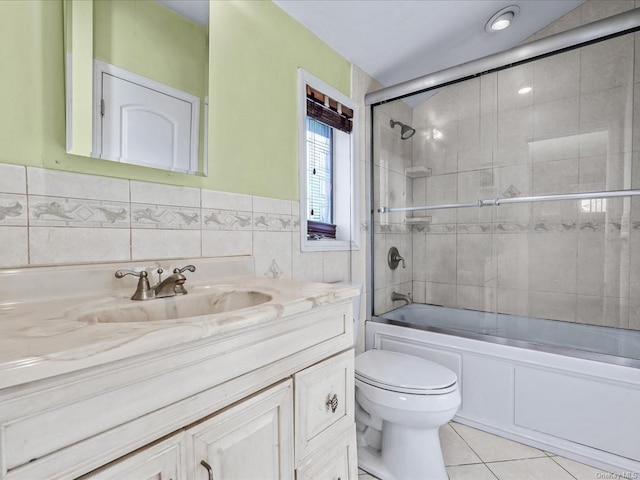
576	131
391	155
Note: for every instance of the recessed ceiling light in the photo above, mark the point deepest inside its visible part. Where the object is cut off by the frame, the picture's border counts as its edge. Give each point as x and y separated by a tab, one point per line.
502	19
524	90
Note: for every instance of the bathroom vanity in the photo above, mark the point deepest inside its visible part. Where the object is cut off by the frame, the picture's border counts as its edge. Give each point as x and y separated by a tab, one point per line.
261	391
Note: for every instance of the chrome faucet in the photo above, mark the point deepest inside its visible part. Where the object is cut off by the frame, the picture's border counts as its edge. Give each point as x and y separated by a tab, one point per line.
395	296
169	287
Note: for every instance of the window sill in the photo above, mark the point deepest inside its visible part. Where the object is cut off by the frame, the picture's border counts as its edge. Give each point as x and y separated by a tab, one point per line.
328	245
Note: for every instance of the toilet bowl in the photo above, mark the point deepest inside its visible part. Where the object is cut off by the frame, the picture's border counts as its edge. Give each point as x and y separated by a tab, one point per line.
401	402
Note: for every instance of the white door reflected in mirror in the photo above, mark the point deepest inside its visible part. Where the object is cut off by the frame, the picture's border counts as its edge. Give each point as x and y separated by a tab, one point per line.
143	122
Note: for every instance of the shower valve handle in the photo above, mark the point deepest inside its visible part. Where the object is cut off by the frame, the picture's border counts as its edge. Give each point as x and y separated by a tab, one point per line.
394	258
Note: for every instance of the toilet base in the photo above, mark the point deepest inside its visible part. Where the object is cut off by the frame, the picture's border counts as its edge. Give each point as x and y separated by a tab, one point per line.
409	453
370	461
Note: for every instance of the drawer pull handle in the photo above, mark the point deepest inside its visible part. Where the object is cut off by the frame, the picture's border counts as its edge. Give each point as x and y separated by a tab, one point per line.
332	403
209	469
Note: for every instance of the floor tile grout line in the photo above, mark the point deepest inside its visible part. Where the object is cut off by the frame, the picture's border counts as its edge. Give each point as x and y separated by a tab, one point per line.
554	461
516	459
544	454
465	442
492	472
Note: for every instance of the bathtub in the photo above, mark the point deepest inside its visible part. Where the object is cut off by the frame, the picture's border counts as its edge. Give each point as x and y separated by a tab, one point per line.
566	388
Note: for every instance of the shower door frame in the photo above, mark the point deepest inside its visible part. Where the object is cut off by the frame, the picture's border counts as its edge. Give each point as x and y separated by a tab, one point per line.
610	27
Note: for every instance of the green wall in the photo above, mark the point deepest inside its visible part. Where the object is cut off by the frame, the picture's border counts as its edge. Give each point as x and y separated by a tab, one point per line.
255	50
146	38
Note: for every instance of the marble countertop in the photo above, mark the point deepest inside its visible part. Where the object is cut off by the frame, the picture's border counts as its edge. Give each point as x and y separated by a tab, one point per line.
41	339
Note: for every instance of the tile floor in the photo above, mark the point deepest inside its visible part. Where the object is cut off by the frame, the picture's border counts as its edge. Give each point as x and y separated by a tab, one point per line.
472	454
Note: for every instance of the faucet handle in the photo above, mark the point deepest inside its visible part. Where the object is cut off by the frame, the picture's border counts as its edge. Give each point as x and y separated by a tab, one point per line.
143	291
191	268
180	290
125	272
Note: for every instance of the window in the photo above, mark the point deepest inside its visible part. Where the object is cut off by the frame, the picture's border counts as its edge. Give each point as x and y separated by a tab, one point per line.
319	171
328	167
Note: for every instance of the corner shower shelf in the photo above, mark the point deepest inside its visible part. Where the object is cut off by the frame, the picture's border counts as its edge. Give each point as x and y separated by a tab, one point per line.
417	172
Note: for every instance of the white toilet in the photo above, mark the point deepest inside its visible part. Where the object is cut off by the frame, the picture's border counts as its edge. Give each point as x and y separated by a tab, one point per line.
401	402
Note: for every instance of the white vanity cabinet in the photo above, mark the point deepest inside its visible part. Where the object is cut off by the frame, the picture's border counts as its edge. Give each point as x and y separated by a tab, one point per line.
163	460
273	400
253	439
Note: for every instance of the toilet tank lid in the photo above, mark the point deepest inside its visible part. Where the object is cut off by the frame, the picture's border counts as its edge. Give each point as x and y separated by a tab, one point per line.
395	369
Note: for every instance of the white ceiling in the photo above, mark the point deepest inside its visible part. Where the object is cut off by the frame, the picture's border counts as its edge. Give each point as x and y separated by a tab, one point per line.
195	10
398	40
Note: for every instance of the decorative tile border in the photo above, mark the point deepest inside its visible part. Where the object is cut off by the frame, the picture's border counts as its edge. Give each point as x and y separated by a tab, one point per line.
13	210
74	212
213	219
562	226
474	228
391	228
164	217
272	223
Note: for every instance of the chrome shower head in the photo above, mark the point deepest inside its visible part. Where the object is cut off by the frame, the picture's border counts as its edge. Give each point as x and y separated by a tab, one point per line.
405	132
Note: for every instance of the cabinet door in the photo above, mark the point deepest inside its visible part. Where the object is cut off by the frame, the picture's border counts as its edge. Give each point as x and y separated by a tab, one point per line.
250	440
324	402
334	461
161	461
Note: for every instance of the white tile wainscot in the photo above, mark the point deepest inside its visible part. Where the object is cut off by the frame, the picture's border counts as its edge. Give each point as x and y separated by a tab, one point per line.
84	391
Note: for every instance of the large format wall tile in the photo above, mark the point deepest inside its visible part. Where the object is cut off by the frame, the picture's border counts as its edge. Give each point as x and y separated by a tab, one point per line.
226	201
156	243
157	194
475	263
60	245
13	179
226	243
272	254
15	250
54	183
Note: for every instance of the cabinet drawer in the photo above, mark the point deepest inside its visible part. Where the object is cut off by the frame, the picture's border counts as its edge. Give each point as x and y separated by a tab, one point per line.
324	402
161	461
335	461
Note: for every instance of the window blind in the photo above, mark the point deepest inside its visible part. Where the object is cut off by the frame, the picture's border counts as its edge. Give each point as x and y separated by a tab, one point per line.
320	171
329	111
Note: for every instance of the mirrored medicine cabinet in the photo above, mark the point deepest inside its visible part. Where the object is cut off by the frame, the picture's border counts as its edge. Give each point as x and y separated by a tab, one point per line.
137	76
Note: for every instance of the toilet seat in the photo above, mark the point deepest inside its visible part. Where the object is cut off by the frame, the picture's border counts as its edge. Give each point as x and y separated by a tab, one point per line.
403	373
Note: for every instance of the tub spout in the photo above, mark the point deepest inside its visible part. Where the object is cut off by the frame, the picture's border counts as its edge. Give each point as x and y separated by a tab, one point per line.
395	296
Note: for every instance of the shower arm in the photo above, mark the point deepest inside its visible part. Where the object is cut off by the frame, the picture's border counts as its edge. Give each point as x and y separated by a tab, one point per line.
503	201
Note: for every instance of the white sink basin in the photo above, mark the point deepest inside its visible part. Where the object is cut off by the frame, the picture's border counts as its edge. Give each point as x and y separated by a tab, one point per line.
207	302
